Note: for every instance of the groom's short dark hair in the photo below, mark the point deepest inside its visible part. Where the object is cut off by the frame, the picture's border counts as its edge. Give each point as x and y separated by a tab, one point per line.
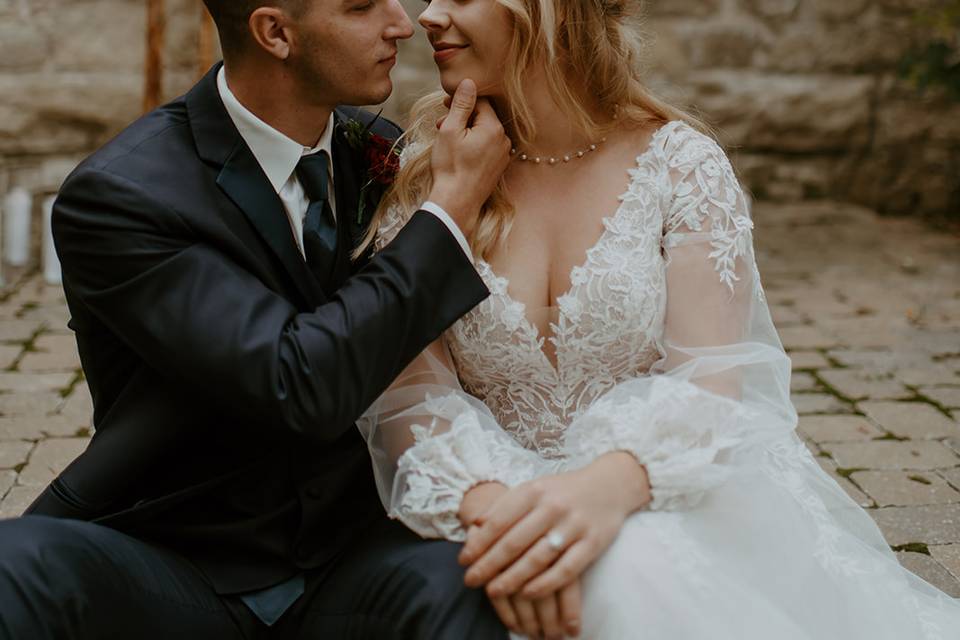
231	17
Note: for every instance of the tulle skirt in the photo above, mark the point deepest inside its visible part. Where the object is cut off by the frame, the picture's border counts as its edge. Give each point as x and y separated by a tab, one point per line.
780	552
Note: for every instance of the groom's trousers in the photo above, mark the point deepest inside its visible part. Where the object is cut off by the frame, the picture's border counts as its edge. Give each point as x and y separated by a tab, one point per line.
66	579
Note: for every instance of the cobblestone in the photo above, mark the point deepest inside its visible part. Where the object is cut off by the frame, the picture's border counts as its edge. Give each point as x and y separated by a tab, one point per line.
903	488
930	570
14	454
933	375
16	500
806	338
852	490
49	458
801	381
18	330
52	353
910	419
19	428
947	555
931	524
952	476
844	428
819	403
948	397
808	360
38	403
9	354
857	384
888	454
31	382
7	479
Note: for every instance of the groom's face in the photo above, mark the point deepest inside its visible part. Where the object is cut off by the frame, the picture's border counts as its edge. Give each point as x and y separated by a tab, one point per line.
345	49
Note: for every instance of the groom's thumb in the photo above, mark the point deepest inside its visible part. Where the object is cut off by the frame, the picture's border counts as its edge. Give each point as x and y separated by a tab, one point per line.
462	106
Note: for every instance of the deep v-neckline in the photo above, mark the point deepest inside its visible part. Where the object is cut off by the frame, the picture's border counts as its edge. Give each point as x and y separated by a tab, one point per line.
531	330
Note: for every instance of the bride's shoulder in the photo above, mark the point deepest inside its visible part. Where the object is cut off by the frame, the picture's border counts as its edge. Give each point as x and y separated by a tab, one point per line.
681	144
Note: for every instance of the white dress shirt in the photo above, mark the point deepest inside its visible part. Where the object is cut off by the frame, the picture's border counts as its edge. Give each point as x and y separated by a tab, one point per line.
279	155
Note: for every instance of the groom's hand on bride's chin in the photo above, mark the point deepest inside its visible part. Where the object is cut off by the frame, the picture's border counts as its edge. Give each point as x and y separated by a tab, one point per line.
470	154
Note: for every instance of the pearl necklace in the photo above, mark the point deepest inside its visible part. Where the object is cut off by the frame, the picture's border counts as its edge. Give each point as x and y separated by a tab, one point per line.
565	158
576	155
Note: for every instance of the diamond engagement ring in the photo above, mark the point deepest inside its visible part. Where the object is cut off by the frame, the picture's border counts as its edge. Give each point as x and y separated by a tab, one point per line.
556	540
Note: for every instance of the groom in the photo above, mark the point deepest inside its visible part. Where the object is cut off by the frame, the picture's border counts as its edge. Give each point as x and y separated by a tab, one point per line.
229	343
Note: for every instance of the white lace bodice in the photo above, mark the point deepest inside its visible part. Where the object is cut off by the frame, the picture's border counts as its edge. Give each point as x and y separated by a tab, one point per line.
610	322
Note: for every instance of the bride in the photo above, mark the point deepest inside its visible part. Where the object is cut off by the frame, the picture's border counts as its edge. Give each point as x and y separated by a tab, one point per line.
610	432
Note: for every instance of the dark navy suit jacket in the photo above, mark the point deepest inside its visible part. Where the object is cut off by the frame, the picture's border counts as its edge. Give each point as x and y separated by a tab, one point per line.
225	382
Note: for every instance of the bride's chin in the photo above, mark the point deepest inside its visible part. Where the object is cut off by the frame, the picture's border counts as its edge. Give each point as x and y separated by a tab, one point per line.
449	83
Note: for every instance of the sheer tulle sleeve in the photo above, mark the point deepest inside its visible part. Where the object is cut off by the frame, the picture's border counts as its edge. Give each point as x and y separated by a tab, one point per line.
722	388
431	442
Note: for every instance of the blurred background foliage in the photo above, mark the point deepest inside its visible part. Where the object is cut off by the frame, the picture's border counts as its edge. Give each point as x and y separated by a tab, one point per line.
936	63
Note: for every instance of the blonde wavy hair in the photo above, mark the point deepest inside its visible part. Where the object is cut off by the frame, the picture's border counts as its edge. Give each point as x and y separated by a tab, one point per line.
590	52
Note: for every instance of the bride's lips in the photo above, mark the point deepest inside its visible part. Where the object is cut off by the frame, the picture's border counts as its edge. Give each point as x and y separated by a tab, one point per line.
444	51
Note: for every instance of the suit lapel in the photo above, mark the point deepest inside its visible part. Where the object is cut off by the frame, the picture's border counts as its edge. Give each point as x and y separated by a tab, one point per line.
242	179
245	184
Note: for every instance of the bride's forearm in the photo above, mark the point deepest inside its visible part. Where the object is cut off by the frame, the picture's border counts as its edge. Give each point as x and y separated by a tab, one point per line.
625	476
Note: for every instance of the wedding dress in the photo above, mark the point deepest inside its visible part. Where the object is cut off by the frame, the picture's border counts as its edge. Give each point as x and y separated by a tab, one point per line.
664	348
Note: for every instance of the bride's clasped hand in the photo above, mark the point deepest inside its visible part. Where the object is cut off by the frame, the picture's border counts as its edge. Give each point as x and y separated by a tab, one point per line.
536	539
541	535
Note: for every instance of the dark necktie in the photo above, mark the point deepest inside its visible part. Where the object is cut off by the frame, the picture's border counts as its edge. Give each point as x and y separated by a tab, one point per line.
319	226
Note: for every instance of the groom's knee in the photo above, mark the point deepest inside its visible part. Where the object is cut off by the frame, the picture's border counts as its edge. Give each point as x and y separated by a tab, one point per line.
38	593
32	546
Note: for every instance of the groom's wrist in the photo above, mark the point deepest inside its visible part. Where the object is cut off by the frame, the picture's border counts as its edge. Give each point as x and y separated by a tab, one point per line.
440	213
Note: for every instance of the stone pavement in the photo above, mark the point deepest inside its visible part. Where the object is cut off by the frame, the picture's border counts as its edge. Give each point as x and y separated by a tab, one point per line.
868	307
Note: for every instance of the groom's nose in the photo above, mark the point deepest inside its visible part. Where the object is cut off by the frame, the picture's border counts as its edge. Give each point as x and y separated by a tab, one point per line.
400	27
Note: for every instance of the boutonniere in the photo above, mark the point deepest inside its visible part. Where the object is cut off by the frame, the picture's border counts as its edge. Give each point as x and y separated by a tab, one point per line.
382	158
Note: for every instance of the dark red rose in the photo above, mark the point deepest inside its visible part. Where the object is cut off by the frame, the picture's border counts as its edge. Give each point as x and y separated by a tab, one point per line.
382	159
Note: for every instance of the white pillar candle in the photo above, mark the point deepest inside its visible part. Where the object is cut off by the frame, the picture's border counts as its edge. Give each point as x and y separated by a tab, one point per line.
16	218
51	263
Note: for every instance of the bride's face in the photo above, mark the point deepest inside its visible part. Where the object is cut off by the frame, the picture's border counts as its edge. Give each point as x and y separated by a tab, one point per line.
470	39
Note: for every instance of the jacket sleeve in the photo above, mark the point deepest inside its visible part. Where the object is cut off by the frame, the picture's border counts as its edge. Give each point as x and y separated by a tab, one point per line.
195	315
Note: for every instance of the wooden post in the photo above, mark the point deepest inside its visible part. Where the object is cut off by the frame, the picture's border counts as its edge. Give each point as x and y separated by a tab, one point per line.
153	68
205	44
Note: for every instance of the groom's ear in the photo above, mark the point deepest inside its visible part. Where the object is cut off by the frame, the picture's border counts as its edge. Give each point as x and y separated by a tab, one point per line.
270	29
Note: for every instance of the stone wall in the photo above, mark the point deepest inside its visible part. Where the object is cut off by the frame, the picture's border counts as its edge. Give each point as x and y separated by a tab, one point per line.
71	76
803	92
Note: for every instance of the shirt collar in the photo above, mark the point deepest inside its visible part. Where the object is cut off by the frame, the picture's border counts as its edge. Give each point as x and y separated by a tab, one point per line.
277	154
